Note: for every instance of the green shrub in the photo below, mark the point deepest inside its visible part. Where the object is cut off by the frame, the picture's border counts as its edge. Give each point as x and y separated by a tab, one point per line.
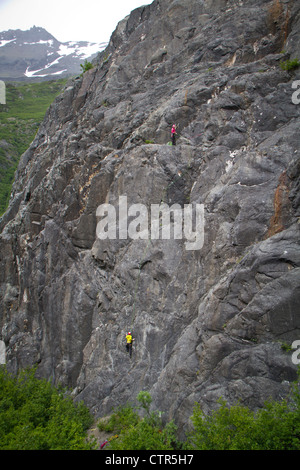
121	418
86	66
34	415
289	64
145	436
131	432
274	427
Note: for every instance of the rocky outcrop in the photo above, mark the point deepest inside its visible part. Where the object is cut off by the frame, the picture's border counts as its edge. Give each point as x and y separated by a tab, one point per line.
208	322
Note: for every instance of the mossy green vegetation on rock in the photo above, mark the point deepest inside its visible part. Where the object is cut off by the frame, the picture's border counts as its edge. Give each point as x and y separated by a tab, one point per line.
25	108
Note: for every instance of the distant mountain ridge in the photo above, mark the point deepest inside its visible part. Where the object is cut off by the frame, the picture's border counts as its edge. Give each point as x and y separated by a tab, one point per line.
36	54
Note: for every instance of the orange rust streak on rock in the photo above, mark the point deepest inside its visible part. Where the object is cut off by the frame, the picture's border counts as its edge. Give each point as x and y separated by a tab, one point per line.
281	205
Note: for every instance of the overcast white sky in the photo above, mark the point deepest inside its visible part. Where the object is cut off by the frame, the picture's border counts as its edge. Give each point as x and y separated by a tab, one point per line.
68	20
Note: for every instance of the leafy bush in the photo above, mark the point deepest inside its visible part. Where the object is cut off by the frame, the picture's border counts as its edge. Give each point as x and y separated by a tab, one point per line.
34	415
86	66
122	418
289	64
145	436
274	427
135	433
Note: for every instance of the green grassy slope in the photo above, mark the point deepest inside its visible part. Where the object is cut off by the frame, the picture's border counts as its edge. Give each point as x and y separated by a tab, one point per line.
20	117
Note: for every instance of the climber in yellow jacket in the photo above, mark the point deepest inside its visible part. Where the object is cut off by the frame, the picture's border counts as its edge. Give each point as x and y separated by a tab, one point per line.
129	341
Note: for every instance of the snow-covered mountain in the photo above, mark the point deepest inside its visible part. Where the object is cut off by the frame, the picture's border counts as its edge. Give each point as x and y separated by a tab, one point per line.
36	54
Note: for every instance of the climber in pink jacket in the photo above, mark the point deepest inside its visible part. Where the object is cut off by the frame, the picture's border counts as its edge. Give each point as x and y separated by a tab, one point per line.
173	134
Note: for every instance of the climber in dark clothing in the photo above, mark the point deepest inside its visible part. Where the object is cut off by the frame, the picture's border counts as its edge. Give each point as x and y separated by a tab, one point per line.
173	134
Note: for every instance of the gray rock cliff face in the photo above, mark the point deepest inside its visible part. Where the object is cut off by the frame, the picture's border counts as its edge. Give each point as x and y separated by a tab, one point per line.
207	322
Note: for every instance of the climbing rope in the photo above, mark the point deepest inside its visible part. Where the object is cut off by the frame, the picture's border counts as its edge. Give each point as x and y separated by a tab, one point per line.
138	281
141	263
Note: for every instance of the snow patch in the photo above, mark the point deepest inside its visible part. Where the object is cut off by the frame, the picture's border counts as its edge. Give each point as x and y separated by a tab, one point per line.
3	42
74	48
49	42
34	73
